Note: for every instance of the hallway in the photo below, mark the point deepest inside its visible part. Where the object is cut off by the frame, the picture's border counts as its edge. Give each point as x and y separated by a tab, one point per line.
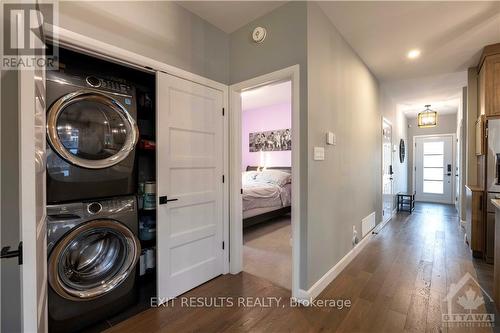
397	283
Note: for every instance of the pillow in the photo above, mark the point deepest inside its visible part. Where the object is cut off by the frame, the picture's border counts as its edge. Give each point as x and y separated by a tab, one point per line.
277	177
248	176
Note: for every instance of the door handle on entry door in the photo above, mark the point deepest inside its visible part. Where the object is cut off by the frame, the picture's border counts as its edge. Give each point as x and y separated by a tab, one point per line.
164	200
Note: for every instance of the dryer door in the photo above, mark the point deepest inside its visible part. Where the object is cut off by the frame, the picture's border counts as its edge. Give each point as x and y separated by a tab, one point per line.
90	129
92	259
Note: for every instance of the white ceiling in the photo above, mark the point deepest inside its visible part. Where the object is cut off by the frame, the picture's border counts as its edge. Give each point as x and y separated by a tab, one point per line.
450	35
230	15
442	107
265	96
443	92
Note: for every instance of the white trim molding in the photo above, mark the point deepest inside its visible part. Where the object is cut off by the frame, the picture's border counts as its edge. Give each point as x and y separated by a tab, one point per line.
236	215
305	296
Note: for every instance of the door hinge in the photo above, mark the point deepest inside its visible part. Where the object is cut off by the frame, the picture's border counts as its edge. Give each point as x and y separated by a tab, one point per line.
241	190
223	112
223	246
223	178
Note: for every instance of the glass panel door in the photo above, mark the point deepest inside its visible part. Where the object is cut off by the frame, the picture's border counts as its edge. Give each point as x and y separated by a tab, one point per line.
433	167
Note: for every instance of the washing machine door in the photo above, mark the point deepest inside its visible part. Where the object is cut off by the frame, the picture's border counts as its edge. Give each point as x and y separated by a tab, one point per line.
92	259
91	130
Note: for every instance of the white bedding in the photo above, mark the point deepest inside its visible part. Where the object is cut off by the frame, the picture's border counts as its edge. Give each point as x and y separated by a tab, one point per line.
260	194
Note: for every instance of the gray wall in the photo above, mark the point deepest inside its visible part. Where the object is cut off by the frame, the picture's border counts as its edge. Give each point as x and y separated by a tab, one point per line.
10	302
161	30
346	187
447	124
9	210
285	45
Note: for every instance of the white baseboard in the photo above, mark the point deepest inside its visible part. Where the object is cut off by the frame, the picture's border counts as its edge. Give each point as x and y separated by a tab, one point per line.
304	296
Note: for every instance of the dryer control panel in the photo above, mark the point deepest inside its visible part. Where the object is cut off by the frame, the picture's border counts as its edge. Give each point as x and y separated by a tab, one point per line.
108	84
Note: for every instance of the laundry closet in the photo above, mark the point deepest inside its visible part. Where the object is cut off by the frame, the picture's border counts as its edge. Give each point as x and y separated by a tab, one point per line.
135	188
101	191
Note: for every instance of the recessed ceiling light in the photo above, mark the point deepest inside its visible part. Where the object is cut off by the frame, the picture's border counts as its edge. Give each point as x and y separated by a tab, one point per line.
413	54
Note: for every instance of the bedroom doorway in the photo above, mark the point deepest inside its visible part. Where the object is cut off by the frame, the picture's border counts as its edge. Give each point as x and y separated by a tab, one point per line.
264	180
266	161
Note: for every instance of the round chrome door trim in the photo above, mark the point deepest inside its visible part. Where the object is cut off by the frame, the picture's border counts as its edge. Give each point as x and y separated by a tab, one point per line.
74	294
96	96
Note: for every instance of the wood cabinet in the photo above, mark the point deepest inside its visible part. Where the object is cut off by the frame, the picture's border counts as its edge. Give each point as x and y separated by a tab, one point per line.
489	81
475	223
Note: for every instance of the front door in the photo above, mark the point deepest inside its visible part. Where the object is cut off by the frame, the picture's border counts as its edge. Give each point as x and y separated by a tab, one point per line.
434	169
387	173
190	185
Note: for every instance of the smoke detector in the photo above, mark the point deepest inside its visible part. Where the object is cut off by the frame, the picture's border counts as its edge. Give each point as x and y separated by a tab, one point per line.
259	34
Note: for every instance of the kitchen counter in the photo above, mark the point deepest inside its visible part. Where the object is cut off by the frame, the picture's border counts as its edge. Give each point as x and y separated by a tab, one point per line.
475	188
496	203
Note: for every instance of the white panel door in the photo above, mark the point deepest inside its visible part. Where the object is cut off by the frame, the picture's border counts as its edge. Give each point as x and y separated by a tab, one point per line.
190	188
434	170
387	173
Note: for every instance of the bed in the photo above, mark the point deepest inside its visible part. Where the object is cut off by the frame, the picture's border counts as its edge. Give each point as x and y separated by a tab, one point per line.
266	194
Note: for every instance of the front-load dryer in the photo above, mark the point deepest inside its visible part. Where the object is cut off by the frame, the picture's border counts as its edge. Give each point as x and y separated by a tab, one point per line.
93	250
92	134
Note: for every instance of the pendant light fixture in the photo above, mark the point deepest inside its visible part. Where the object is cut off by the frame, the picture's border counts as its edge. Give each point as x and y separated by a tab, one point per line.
427	118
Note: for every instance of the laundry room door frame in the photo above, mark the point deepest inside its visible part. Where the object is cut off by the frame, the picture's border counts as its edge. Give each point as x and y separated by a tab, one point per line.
68	39
236	211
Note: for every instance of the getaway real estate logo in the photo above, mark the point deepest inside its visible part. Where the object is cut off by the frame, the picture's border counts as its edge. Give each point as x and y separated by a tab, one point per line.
24	45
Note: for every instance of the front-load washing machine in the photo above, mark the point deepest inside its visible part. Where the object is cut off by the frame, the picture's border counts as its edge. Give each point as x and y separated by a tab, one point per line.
92	134
92	250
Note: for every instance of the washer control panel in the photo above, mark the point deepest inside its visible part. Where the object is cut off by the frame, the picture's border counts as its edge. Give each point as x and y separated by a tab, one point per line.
91	208
115	206
94	208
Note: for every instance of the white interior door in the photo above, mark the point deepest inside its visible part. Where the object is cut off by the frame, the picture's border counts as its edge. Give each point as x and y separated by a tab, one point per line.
387	174
32	192
190	185
434	169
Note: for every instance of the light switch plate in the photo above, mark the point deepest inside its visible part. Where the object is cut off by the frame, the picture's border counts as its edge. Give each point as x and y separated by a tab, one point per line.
319	153
331	139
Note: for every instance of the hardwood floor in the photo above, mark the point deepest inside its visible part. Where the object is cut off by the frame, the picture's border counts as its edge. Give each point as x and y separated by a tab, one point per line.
397	283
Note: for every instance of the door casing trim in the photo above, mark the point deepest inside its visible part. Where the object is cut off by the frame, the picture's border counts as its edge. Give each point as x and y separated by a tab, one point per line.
385	120
292	74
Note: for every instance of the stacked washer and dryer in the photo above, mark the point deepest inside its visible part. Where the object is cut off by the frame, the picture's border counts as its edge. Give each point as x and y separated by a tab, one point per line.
92	225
